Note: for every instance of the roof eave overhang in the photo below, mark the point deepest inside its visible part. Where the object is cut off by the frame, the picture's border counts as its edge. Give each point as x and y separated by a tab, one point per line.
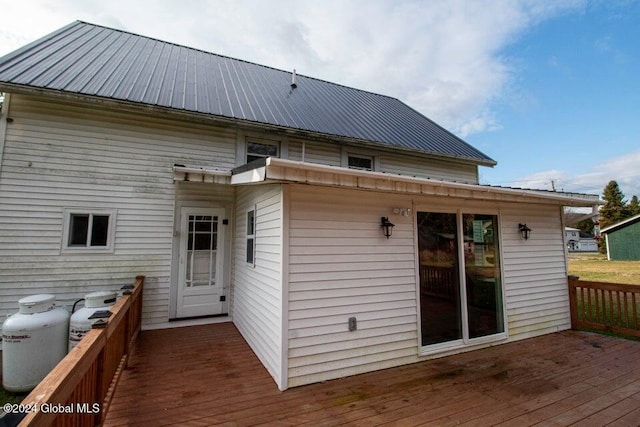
621	224
209	176
276	170
228	121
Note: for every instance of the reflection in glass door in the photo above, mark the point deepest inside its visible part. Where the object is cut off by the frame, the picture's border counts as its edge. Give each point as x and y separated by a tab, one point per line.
439	279
202	248
482	275
451	310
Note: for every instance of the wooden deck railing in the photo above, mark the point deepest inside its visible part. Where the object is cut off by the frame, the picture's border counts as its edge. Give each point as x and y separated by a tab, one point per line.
438	281
604	306
78	390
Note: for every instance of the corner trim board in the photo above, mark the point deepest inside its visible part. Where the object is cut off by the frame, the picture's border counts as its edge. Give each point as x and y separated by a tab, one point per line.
4	115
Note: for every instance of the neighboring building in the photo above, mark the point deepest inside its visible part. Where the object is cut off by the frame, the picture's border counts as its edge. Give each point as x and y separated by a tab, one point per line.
578	241
237	192
623	240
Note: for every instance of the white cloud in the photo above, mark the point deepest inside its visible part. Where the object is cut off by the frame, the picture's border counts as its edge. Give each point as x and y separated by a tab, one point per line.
441	57
605	46
542	180
623	169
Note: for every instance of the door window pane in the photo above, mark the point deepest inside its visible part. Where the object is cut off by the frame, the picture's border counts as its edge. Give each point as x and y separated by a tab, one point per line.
202	242
439	278
201	250
483	279
203	223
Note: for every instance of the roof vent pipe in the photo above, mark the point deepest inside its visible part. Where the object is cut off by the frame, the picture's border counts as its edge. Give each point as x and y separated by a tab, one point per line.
293	79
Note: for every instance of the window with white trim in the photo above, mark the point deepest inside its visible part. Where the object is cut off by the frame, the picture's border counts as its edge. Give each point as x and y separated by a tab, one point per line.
251	236
359	162
88	230
261	149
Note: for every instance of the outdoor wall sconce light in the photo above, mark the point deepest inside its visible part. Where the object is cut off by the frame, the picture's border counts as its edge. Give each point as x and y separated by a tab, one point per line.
525	231
387	226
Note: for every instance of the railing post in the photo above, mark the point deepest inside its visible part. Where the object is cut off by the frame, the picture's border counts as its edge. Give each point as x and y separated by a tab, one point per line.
573	300
613	308
100	379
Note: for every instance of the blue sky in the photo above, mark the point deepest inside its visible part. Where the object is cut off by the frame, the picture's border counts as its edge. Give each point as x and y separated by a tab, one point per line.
548	88
574	105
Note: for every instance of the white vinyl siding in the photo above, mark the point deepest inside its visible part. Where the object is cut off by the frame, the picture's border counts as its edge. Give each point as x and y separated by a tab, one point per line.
342	266
257	289
64	155
534	270
315	152
408	165
395	163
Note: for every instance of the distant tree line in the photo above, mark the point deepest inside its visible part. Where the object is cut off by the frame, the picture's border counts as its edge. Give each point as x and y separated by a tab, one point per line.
614	210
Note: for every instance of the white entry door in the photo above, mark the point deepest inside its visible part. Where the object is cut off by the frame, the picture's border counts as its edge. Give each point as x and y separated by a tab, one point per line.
200	287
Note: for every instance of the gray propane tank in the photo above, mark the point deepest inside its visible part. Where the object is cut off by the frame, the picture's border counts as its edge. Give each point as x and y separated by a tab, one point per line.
80	323
34	340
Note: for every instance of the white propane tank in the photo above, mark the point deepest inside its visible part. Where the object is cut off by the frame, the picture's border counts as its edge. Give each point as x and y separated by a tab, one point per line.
80	323
34	340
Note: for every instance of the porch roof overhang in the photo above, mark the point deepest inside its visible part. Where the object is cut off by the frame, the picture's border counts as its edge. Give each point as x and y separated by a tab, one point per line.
275	170
193	174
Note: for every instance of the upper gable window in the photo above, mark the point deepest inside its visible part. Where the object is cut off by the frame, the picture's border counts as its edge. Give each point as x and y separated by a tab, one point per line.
364	163
258	150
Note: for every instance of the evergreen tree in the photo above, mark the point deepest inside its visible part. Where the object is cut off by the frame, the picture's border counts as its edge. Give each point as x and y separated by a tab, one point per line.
614	209
633	206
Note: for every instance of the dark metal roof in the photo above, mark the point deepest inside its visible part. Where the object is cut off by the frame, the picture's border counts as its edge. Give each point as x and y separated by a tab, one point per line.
92	60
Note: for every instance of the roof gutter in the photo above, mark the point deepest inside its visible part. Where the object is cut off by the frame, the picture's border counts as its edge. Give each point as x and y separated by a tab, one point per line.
280	170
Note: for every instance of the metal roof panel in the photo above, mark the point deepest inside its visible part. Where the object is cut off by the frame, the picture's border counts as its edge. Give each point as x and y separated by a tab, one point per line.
92	60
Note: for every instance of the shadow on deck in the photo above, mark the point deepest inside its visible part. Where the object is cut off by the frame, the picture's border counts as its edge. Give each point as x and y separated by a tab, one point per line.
207	375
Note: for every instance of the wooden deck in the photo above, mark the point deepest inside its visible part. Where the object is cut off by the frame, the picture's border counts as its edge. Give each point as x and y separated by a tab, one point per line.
207	375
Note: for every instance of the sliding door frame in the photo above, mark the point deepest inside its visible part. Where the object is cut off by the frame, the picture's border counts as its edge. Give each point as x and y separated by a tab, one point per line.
465	343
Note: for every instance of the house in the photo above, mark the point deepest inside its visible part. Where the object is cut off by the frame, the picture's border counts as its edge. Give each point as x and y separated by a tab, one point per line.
340	230
623	240
578	241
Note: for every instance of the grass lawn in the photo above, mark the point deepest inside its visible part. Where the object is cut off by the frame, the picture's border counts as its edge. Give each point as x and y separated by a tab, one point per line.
6	397
596	268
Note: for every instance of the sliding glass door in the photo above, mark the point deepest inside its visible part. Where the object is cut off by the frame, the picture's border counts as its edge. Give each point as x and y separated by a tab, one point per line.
460	280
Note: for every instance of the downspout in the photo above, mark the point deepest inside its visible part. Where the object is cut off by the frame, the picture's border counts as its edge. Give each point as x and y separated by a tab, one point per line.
4	120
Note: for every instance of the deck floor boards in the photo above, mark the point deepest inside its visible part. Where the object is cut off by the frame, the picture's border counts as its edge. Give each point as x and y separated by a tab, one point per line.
207	375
